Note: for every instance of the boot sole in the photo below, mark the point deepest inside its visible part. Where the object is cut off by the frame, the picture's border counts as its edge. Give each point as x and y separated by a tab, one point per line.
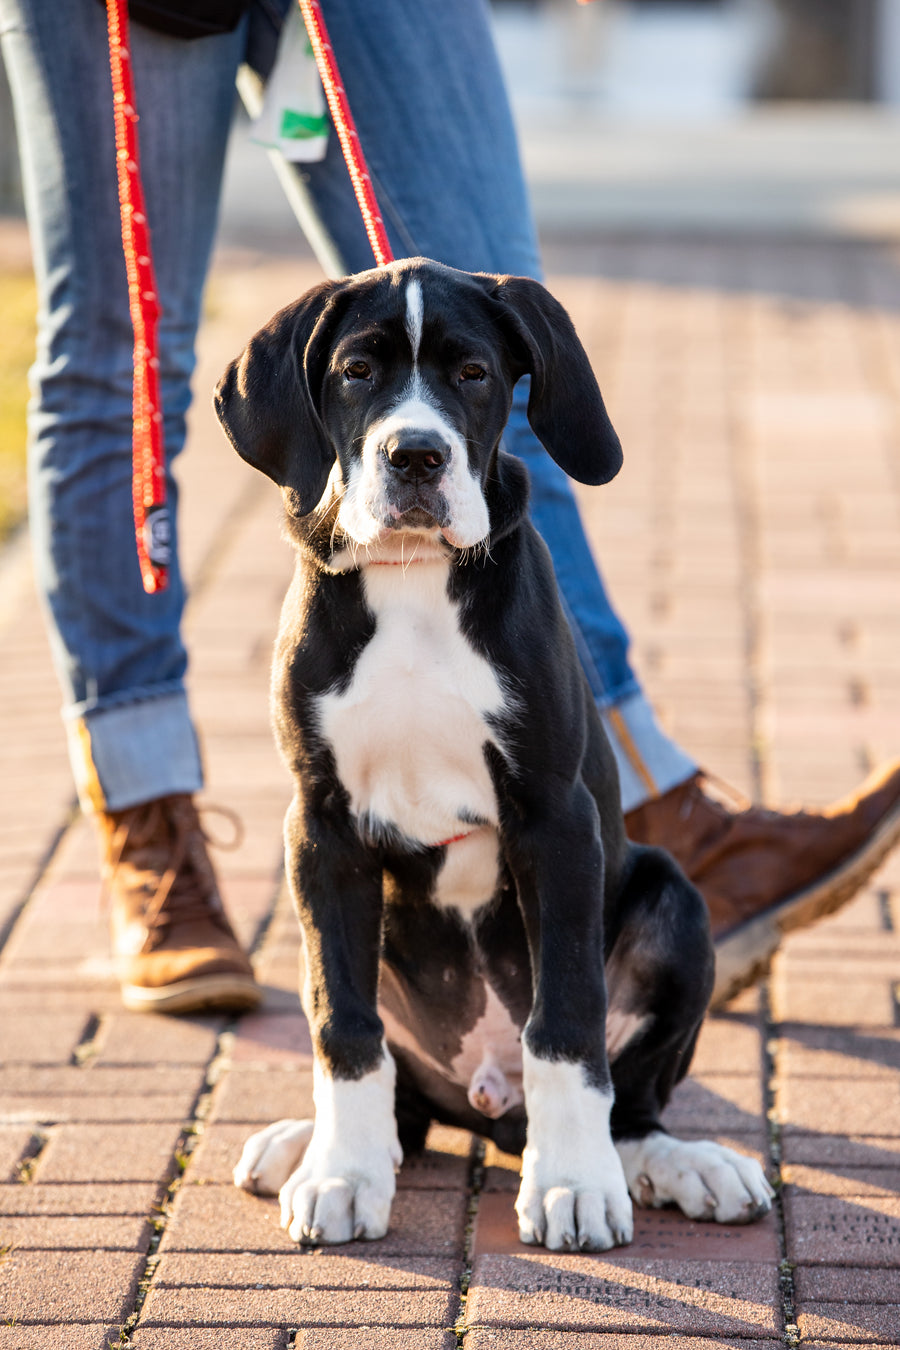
224	993
744	956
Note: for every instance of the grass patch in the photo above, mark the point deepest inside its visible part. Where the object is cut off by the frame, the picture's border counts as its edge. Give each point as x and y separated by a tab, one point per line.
17	329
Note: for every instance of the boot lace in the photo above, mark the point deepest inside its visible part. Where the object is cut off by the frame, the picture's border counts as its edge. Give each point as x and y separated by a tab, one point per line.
187	888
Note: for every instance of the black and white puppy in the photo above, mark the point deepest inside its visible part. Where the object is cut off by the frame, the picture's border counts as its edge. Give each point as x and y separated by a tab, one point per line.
482	945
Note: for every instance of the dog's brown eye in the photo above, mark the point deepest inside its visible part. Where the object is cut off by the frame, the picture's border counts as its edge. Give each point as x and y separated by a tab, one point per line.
472	371
358	370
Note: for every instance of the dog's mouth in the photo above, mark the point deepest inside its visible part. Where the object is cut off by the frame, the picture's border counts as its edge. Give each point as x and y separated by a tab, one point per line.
417	518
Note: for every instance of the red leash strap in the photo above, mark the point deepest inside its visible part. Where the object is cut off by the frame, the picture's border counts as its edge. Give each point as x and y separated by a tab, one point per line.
151	517
346	130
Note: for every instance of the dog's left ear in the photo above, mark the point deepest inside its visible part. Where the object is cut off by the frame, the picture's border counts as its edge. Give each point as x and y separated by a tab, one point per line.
268	398
565	407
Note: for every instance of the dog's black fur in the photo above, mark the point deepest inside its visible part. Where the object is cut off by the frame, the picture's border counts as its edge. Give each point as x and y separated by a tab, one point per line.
580	917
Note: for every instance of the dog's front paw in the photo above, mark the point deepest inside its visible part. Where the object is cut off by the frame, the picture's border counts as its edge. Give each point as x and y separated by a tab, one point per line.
590	1212
324	1202
271	1155
706	1180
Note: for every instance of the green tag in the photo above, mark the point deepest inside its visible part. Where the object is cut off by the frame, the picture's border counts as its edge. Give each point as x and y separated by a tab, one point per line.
296	126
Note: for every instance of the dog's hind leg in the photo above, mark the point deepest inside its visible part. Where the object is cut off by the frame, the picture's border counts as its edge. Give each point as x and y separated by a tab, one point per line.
659	974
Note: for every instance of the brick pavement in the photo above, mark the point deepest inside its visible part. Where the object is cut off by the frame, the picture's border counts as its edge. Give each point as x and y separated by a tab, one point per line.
752	542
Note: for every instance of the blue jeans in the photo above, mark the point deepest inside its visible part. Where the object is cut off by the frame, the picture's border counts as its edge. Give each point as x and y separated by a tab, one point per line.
428	98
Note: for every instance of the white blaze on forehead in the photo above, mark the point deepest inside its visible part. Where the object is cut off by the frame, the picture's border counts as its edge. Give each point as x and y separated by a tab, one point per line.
414	314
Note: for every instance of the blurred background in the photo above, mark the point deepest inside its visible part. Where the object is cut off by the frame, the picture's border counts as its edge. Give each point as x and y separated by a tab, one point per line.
689	114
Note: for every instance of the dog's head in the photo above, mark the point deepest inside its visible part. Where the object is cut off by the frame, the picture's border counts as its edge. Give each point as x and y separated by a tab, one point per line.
386	394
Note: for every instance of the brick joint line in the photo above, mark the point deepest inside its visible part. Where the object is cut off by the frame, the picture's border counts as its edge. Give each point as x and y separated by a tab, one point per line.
769	1071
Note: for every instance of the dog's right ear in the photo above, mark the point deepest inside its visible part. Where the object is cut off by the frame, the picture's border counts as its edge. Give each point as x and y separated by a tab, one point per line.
268	398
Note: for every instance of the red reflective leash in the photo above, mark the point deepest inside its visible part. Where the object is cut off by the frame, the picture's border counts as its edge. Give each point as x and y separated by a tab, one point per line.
346	130
151	519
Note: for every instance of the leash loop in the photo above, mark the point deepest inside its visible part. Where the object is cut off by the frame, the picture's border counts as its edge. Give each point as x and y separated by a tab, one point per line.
151	514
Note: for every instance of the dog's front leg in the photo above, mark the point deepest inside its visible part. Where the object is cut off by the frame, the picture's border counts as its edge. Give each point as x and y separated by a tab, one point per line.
344	1185
573	1193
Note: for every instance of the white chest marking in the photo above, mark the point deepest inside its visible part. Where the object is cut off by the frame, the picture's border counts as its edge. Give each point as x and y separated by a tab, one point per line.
408	734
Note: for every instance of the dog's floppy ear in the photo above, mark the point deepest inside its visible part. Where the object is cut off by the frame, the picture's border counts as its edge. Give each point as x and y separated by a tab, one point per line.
565	406
268	398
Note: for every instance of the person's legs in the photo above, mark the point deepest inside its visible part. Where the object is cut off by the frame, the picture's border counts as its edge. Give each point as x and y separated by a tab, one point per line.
118	651
428	99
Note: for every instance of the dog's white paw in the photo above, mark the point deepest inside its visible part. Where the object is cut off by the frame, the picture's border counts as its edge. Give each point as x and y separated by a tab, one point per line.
575	1216
271	1155
706	1180
325	1202
573	1194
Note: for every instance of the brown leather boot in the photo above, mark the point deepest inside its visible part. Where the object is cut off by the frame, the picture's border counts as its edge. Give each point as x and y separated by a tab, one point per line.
762	872
173	945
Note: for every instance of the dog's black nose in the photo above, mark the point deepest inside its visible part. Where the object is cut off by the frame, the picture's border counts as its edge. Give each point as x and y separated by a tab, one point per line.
417	456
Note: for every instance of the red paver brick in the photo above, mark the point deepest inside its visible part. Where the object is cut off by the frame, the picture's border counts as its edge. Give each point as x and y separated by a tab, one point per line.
849	1322
837	1150
111	1232
17	998
260	1096
659	1234
728	1043
172	1338
835	1105
145	1038
845	1284
308	1269
266	1037
63	899
64	1199
585	1293
98	1094
73	942
377	1338
865	1002
831	1231
221	1218
845	1181
15	1140
161	1338
215	1153
837	1052
45	1336
50	1287
298	1307
41	1038
721	1103
109	1153
83	982
496	1338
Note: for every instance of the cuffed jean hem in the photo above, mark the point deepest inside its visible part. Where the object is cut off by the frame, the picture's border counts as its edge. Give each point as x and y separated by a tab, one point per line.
649	762
134	752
